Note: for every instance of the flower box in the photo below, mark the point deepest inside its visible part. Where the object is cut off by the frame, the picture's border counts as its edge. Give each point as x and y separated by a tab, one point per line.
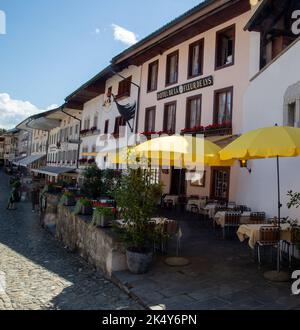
166	133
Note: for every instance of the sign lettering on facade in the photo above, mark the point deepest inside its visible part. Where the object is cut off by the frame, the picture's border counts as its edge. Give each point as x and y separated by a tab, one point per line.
188	87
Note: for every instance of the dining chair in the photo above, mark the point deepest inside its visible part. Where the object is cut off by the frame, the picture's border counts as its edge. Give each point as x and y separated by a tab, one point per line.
257	218
242	208
232	221
290	246
268	237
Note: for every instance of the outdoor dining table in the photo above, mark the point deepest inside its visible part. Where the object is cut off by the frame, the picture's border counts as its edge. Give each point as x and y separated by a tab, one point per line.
200	203
253	232
172	198
219	218
210	210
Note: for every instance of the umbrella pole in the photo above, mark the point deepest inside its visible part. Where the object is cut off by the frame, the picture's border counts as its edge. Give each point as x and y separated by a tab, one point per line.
278	275
279	213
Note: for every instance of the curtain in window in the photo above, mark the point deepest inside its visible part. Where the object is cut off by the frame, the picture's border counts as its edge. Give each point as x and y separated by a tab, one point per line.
224	107
195	60
150	121
96	121
153	77
170	118
195	113
173	69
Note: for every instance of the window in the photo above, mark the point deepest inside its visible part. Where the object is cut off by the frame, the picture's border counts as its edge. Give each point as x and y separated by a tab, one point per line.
172	68
223	106
124	87
109	91
170	117
292	114
150	119
71	131
193	112
152	76
119	122
87	123
196	59
66	134
76	129
106	126
225	44
95	121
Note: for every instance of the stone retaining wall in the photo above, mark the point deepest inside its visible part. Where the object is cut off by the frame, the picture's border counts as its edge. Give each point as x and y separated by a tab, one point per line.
99	247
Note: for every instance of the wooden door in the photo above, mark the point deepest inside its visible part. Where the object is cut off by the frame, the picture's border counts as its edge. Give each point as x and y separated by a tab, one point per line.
220	183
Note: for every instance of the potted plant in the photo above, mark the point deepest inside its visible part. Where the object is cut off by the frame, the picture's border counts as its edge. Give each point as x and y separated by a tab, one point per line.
103	216
84	207
68	199
136	199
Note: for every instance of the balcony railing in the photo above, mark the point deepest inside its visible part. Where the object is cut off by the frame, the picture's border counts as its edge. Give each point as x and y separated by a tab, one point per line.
88	132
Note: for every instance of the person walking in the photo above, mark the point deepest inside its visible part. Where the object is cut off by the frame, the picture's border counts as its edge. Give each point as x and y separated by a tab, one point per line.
11	201
34	198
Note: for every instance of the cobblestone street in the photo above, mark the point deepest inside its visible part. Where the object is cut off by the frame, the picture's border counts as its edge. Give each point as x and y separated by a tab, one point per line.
37	273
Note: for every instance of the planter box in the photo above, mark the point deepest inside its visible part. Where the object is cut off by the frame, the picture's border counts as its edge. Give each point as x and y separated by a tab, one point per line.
101	220
86	210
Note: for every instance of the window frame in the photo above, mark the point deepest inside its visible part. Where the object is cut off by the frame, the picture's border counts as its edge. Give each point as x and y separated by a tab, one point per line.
124	87
119	120
218	33
199	42
149	90
166	105
216	102
188	109
175	53
147	110
106	126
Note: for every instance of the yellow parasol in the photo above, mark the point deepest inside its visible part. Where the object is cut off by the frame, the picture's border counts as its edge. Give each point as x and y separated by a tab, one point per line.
182	151
270	142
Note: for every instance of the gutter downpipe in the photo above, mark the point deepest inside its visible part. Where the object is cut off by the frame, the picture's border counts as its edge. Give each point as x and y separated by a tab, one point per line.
79	141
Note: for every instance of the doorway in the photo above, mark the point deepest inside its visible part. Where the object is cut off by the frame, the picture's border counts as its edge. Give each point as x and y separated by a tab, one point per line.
220	183
178	182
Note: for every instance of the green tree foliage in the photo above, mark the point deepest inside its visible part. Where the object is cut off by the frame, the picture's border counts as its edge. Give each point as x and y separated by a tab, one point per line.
92	181
136	198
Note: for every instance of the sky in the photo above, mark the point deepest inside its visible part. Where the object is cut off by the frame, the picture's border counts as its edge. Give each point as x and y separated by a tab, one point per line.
51	47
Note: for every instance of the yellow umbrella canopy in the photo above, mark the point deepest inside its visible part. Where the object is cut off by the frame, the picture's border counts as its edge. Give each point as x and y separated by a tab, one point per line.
270	142
185	150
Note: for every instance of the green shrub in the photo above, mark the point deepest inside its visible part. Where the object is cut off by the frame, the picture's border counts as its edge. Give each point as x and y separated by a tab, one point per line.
136	199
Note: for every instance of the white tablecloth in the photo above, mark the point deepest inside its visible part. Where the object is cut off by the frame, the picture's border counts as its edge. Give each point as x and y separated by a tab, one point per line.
173	198
219	218
253	232
200	203
210	209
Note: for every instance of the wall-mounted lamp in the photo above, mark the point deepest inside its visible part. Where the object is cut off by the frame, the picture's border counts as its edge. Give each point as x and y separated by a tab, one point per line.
244	164
253	2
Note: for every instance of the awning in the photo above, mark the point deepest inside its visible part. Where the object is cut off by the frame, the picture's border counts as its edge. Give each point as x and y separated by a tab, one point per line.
30	160
54	171
17	160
